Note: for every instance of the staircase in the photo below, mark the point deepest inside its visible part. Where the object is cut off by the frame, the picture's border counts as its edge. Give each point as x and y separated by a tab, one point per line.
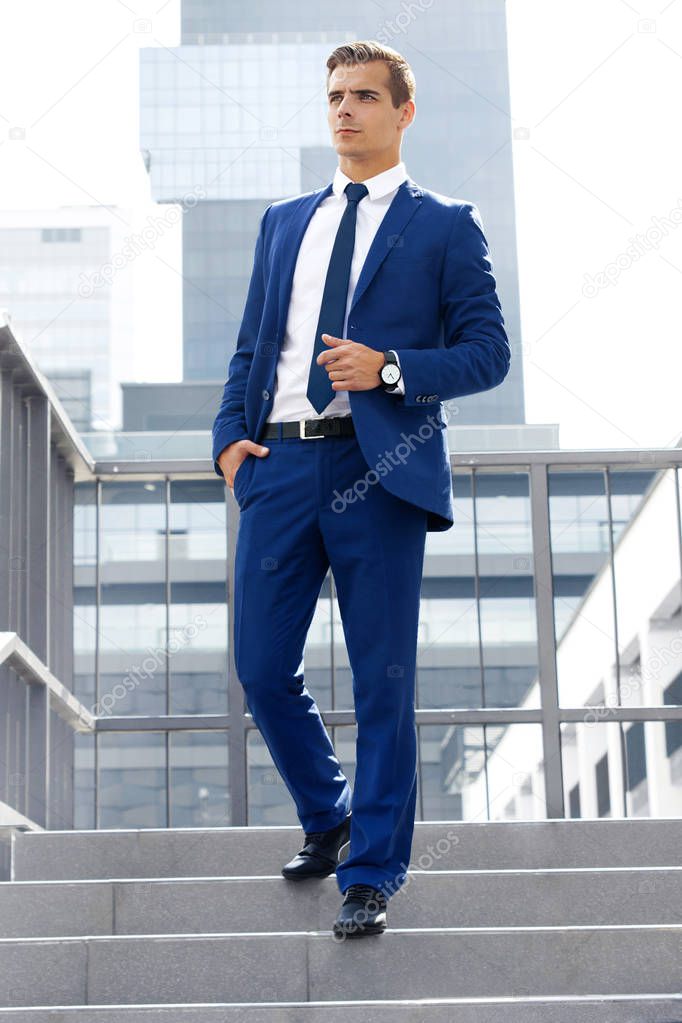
521	922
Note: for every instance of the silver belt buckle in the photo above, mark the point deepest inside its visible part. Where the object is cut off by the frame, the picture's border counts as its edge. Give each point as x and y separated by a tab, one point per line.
308	436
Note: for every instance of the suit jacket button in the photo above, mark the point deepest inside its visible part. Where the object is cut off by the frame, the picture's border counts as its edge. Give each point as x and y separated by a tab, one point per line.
266	395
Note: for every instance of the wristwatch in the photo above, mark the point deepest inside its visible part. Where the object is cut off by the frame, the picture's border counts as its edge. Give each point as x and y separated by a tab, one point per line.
390	372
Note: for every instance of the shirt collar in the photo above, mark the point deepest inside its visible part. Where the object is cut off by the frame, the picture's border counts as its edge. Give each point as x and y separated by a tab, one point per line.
378	185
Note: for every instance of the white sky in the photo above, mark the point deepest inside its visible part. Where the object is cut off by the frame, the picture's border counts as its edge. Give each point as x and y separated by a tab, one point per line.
596	84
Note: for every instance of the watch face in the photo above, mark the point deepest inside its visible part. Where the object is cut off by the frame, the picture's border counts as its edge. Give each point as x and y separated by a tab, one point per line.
390	374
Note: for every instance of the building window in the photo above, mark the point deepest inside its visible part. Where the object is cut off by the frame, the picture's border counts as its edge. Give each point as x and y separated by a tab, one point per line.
672	695
61	234
635	755
601	772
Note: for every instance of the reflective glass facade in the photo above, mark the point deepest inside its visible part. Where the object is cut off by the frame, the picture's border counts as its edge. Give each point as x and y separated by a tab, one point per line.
68	332
153	568
239	111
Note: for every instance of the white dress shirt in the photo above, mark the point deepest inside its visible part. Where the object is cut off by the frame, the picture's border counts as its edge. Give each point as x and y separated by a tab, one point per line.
290	400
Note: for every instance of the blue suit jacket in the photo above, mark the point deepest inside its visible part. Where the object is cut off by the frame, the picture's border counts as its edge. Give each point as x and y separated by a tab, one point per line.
427	290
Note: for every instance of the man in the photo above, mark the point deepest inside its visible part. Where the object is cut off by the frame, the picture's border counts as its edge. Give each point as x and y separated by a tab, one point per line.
371	302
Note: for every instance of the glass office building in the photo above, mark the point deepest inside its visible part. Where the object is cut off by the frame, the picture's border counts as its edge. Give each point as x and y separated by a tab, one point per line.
76	321
239	111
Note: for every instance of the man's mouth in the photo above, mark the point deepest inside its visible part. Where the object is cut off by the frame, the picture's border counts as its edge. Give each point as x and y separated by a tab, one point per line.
340	131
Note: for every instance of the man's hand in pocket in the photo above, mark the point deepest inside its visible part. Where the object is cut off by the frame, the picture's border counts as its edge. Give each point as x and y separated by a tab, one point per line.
231	457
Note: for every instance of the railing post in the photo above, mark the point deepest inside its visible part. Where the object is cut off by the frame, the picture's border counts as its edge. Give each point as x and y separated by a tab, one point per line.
546	639
236	734
38	598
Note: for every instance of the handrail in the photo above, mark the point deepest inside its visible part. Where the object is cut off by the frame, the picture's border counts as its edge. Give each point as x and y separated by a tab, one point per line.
29	667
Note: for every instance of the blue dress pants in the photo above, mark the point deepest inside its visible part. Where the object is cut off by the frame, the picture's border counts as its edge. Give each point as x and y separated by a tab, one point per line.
304	507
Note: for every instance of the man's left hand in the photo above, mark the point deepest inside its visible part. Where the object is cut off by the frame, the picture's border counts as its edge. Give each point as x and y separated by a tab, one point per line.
351	366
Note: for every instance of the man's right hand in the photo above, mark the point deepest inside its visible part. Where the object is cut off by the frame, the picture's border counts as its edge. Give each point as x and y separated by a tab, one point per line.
231	457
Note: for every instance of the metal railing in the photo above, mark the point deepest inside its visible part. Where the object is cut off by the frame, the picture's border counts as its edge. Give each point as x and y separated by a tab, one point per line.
41	459
549	714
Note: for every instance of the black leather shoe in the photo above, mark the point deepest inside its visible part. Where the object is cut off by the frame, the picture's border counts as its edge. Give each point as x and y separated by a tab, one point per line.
320	854
362	912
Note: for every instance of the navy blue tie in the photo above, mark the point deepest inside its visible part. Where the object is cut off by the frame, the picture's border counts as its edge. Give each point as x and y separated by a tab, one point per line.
335	297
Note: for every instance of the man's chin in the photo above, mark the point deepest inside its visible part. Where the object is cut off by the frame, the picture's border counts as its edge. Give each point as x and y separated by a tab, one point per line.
346	145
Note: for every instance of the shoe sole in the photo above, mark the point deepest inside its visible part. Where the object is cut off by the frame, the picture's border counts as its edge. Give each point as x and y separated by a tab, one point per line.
306	877
359	932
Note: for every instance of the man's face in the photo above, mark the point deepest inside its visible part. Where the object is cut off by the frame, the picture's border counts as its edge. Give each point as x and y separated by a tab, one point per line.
358	99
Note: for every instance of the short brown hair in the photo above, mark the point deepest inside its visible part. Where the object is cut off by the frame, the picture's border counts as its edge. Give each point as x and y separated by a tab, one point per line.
401	83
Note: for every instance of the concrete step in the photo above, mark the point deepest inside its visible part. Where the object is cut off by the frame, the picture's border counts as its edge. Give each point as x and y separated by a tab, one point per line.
608	1009
478	898
290	966
437	845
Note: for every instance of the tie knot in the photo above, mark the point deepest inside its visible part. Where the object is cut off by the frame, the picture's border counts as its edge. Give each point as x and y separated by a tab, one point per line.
355	192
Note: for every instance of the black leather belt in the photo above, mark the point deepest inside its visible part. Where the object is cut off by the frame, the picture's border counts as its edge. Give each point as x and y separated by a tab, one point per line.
307	429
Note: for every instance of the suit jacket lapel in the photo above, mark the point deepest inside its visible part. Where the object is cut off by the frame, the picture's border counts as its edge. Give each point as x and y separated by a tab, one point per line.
405	203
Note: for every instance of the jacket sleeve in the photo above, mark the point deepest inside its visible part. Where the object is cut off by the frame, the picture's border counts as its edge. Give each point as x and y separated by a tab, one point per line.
477	352
230	422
